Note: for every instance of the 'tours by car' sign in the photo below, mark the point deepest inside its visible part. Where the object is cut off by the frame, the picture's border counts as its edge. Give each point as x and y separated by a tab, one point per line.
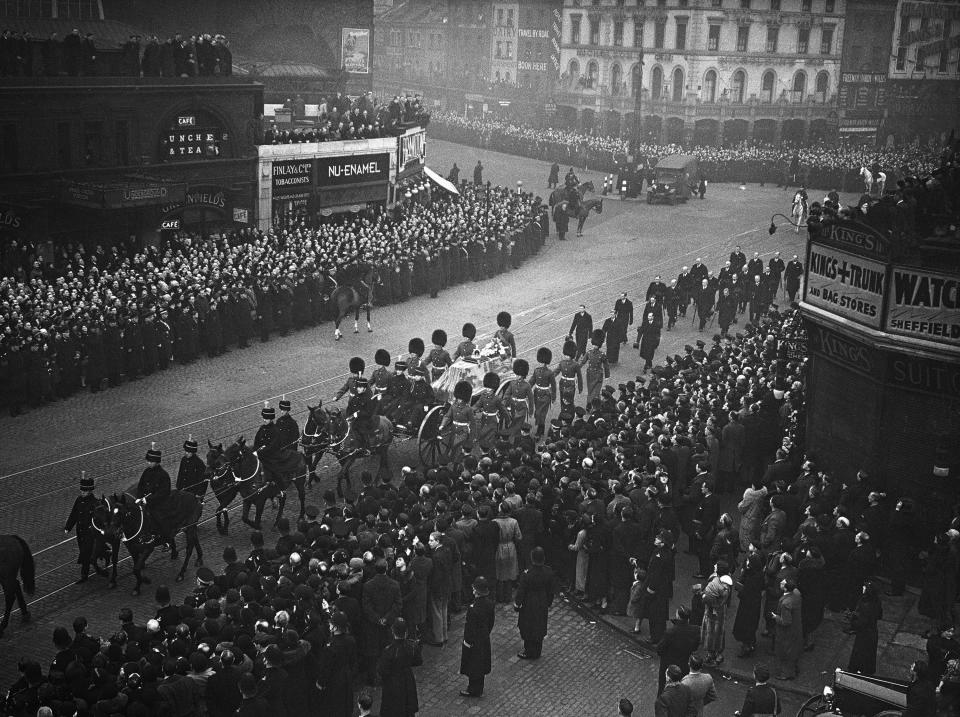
355	169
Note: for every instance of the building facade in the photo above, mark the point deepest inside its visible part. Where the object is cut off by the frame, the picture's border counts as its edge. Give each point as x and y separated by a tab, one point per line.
503	43
923	90
861	101
707	71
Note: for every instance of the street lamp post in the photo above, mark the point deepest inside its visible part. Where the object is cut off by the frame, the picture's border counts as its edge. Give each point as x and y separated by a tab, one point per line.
773	227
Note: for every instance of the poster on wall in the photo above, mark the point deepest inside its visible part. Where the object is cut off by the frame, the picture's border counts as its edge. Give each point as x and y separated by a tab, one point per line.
924	305
355	49
844	284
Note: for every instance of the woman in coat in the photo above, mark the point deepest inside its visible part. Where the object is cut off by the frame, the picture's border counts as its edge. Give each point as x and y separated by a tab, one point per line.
789	630
812	586
863	623
534	598
395	667
750	590
506	560
751	509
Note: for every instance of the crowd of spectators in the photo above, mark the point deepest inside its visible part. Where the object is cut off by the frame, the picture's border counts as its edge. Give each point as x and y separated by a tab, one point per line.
76	55
338	118
826	166
76	315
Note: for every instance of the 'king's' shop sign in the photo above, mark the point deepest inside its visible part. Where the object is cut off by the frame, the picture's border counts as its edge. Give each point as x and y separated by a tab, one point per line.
846	284
924	305
355	169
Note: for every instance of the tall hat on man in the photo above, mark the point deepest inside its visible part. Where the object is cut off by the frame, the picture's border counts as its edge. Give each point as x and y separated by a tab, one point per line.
521	367
463	391
153	455
544	355
439	337
357	366
469	331
415	346
267	412
569	349
596	338
382	357
284	404
504	320
86	482
190	445
491	380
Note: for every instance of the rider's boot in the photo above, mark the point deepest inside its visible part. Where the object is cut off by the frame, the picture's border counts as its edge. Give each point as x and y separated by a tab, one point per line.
84	573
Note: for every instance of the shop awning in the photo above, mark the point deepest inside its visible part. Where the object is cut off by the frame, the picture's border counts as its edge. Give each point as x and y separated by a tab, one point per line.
440	181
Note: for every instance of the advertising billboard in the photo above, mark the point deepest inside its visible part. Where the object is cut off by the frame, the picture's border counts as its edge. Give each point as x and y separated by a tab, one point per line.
355	49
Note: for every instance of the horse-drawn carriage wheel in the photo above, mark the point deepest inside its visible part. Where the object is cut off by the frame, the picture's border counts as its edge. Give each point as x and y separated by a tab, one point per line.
815	707
434	448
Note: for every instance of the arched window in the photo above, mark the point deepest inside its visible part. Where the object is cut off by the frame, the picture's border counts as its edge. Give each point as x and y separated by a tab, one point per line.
709	93
799	86
635	80
677	85
593	73
656	83
823	86
616	79
767	85
574	69
738	86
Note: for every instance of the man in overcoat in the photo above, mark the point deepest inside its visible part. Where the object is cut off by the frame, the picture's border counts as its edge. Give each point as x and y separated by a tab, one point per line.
475	654
534	598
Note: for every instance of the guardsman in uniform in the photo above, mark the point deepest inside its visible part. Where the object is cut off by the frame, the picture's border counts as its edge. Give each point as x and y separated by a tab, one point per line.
398	387
503	334
598	368
414	357
519	395
380	378
153	490
363	409
288	427
544	388
420	397
357	367
466	347
570	379
460	417
81	518
438	360
191	476
164	340
490	406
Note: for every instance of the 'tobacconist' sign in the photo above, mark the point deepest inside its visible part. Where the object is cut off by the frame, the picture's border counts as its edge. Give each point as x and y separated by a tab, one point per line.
356	169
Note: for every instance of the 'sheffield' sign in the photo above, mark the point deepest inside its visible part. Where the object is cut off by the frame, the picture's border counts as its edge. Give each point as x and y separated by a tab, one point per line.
357	169
924	305
845	284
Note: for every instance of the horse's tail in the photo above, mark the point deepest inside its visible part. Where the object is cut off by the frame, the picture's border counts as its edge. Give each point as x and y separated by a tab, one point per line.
28	571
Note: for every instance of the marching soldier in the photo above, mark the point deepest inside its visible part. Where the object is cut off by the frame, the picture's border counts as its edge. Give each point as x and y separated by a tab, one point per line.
598	368
153	490
544	388
357	367
460	417
288	427
503	334
415	349
192	472
380	378
571	379
438	360
490	406
519	395
81	518
466	347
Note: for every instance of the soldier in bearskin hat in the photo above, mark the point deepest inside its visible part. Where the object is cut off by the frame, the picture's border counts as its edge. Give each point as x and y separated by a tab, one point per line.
503	334
192	472
466	347
460	416
81	519
570	379
438	360
544	388
415	349
357	367
380	378
598	368
519	399
490	408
